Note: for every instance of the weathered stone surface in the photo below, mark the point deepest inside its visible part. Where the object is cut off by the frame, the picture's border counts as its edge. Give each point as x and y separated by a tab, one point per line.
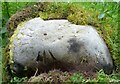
58	44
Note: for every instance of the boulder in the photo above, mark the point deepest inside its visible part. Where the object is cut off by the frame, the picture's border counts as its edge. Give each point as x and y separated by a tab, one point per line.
49	44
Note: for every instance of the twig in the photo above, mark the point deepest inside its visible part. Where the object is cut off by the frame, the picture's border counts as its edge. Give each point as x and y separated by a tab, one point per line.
36	72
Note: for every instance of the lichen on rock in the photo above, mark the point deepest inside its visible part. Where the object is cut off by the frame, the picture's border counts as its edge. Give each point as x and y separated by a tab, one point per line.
11	46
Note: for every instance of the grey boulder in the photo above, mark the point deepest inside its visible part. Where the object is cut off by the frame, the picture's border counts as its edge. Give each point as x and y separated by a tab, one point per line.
50	44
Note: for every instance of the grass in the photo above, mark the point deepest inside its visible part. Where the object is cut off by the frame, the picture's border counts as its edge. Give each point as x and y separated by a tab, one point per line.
104	16
100	78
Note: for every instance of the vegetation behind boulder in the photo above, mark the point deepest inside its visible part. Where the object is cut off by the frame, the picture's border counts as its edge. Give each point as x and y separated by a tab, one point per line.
104	16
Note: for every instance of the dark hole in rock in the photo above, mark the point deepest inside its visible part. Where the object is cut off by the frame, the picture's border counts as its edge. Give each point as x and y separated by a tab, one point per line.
52	55
39	57
59	38
77	32
45	34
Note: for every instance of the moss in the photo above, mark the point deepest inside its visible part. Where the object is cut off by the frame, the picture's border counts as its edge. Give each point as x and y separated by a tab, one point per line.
8	55
78	18
76	15
43	15
24	15
5	63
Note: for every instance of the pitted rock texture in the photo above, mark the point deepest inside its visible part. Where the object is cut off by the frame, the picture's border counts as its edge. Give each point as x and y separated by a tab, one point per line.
58	44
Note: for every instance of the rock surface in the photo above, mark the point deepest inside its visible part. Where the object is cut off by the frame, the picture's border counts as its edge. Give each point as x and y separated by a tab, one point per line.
58	44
